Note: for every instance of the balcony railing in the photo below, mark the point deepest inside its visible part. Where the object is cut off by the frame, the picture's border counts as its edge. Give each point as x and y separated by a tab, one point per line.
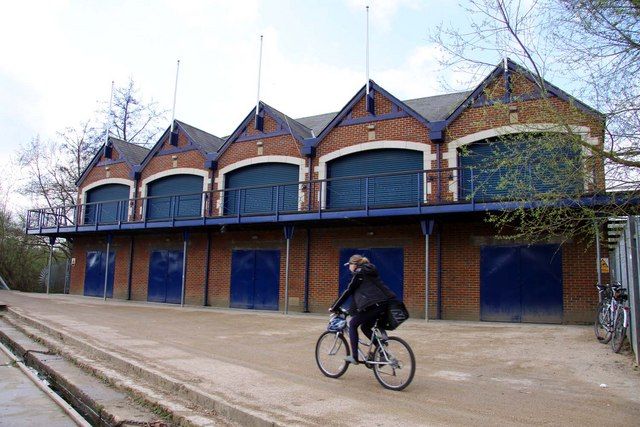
361	193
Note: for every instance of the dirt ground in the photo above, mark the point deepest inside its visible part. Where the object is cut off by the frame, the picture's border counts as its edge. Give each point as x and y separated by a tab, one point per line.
468	373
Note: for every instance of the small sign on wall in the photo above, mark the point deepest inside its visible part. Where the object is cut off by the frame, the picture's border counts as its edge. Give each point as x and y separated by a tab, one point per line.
604	265
73	261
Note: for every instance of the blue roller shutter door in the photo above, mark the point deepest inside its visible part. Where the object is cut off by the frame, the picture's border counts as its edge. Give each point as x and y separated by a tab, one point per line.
382	191
94	274
255	279
388	261
176	196
165	277
107	204
521	284
265	199
546	170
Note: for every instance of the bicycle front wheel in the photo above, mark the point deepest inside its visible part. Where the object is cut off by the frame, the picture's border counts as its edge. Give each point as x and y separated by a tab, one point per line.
602	323
331	349
619	331
394	364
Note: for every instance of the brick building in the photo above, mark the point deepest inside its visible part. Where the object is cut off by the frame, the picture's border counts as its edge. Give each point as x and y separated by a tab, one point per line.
265	218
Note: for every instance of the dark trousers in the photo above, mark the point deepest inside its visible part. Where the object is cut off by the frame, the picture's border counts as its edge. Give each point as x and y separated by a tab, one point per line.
365	319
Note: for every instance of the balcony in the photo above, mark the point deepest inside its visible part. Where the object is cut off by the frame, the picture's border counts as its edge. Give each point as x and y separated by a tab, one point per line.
423	192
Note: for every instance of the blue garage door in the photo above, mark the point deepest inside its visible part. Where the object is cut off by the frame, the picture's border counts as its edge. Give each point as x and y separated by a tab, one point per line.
94	274
107	204
400	190
176	196
255	279
521	284
262	200
496	175
388	261
165	277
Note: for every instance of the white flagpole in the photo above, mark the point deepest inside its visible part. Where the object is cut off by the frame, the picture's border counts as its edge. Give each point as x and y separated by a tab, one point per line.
175	95
367	38
109	116
259	71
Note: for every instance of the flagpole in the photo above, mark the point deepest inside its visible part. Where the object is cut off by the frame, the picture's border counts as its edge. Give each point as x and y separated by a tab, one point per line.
259	72
109	116
175	95
367	42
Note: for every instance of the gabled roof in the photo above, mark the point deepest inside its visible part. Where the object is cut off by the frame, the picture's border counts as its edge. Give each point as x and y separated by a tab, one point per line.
132	154
499	72
203	141
438	107
317	123
298	130
208	142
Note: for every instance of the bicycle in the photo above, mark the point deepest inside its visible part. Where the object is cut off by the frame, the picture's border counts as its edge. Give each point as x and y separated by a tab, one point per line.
602	324
390	358
620	318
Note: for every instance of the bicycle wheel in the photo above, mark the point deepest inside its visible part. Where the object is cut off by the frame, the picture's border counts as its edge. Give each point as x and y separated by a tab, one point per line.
602	323
331	349
619	331
396	364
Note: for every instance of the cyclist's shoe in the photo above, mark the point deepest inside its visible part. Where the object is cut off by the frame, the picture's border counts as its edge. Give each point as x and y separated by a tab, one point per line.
351	359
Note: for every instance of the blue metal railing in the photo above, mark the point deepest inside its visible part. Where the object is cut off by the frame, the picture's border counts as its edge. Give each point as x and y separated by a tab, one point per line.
363	192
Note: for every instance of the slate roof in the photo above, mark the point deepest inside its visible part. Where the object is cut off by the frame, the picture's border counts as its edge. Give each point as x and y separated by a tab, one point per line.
299	129
208	143
317	123
438	107
132	153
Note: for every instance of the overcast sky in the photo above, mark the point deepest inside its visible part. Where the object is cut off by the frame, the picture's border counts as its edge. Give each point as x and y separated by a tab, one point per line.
59	57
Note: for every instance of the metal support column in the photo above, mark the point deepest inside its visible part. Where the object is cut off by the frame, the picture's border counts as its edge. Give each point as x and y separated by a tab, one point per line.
307	271
288	234
598	267
427	229
184	266
106	268
130	278
634	286
52	242
205	299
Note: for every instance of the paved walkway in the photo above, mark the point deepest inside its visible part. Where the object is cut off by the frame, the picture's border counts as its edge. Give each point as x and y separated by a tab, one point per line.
467	372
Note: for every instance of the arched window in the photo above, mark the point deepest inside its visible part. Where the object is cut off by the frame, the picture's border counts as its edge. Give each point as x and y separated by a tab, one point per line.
107	203
175	196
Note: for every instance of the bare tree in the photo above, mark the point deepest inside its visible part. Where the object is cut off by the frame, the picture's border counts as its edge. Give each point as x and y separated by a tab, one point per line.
133	119
594	42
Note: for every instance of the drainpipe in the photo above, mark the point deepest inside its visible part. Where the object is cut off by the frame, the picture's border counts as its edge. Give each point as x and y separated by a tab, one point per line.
307	271
427	229
439	283
52	242
288	234
206	271
184	266
129	279
598	268
106	267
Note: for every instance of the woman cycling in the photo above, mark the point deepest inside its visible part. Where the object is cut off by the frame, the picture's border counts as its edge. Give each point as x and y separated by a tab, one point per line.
370	297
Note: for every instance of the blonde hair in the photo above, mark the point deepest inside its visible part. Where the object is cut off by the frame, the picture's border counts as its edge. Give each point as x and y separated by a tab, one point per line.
358	259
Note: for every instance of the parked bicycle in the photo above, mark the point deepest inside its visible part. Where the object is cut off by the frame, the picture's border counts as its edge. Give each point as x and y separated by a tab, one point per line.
612	318
390	358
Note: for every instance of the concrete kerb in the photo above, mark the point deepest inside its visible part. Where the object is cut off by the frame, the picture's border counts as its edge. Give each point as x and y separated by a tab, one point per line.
228	410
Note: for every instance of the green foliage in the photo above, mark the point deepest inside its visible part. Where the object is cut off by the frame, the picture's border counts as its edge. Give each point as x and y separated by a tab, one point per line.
22	257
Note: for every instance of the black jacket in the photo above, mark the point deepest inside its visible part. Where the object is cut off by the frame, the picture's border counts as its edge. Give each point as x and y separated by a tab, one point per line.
366	288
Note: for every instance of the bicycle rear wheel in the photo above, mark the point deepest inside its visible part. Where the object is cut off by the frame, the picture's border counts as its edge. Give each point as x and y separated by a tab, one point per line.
619	331
396	364
331	349
602	323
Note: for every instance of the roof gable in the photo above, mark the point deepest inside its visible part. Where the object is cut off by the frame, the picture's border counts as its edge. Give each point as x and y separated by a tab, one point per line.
197	139
476	96
131	154
285	125
399	109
